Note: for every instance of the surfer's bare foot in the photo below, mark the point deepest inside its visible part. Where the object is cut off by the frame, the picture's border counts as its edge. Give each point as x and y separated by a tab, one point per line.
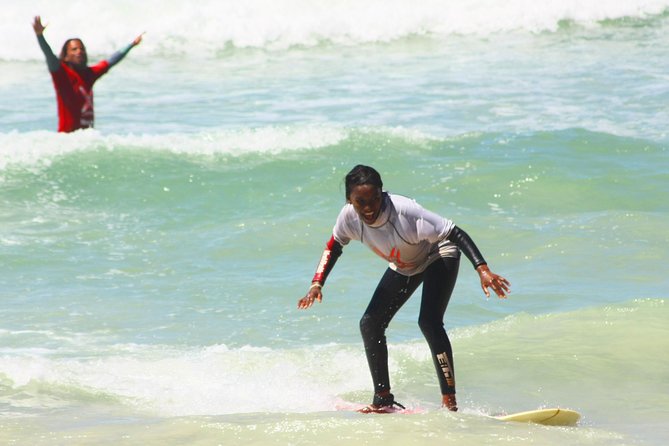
449	402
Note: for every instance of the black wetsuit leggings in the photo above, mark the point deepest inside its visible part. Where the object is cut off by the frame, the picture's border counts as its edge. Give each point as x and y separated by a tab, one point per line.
393	291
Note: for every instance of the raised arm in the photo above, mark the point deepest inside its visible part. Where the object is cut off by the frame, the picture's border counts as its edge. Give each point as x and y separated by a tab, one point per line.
119	55
52	61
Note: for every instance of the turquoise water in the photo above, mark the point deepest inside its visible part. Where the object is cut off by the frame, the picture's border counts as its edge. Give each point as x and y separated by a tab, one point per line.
151	267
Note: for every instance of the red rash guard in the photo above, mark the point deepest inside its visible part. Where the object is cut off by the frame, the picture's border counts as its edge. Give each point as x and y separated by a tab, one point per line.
74	94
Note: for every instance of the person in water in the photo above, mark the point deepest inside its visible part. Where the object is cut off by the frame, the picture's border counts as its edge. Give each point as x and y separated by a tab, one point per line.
73	79
421	248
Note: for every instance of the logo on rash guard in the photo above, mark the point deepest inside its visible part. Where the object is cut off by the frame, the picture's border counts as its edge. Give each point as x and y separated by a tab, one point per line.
86	108
325	258
394	257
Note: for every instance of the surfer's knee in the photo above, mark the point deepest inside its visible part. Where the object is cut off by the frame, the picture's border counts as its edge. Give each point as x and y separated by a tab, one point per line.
430	327
369	327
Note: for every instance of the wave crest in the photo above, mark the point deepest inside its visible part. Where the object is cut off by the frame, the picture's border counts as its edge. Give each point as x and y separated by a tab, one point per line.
176	28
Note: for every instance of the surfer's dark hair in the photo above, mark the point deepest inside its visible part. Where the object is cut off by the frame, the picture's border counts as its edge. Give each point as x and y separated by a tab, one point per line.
361	175
63	51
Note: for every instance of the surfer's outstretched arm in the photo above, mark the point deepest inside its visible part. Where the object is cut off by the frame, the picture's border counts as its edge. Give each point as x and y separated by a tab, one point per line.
119	55
52	61
497	283
332	251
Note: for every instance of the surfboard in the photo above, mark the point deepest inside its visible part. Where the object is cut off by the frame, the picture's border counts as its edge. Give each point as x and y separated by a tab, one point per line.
548	417
382	410
346	406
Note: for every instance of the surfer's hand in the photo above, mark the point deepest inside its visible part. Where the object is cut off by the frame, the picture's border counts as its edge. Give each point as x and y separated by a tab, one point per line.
37	26
499	284
313	294
138	39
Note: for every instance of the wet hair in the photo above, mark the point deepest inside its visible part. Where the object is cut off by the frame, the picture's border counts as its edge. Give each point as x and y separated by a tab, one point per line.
63	51
361	175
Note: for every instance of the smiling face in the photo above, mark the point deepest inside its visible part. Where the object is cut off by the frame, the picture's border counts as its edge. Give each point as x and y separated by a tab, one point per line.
366	200
74	52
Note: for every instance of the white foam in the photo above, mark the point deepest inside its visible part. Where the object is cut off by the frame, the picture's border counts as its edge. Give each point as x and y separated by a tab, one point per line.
176	27
38	149
207	381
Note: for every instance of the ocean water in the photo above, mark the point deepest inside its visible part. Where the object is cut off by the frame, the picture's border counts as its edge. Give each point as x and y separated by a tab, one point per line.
150	268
